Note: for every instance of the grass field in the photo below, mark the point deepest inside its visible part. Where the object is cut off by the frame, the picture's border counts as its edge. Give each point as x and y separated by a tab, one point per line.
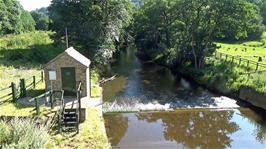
232	76
251	50
22	56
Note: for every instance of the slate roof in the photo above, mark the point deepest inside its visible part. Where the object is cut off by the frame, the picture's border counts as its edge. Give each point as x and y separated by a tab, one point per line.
74	54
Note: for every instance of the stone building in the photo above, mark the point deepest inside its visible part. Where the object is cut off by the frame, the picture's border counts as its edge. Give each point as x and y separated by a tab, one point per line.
65	71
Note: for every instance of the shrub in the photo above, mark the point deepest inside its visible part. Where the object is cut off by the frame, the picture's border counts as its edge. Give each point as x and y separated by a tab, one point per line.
24	133
13	56
4	132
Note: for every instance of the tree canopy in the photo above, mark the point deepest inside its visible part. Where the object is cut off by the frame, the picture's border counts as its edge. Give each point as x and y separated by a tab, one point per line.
181	31
95	27
14	19
41	18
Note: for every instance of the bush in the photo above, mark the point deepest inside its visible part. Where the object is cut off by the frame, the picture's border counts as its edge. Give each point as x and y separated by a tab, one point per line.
4	132
23	133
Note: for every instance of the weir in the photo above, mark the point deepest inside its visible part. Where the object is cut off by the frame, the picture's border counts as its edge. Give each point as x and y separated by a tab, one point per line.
167	111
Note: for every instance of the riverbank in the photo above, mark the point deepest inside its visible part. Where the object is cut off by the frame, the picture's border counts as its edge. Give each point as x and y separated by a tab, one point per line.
224	78
92	134
230	80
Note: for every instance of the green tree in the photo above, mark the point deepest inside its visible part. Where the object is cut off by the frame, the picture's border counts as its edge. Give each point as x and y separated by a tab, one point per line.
262	7
28	23
10	17
13	19
41	18
95	27
183	31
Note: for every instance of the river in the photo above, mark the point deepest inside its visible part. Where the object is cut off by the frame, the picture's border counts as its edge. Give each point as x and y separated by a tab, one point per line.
192	117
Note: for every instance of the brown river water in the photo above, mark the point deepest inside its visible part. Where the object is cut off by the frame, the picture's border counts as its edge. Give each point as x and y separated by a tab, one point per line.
185	126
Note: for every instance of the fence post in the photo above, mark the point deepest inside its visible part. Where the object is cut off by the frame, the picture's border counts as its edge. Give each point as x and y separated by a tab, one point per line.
37	106
257	67
51	99
34	82
226	57
233	59
23	92
42	75
248	63
13	88
239	61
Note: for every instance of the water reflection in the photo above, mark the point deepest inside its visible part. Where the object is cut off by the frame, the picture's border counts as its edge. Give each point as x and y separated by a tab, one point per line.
258	118
196	129
117	126
145	81
187	129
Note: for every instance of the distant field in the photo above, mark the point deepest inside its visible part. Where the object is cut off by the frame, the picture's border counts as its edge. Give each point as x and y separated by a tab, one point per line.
251	50
22	56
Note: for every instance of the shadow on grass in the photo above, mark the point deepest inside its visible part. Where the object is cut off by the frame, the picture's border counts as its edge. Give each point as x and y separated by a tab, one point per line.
35	92
31	57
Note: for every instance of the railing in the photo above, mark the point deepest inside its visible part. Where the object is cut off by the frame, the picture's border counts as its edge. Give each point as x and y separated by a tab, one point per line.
240	60
19	91
79	104
37	102
61	110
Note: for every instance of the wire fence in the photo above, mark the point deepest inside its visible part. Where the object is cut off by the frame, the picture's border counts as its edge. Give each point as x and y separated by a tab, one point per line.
240	61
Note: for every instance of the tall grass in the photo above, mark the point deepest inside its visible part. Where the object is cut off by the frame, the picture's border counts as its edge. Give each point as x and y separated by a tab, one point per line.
25	40
229	76
22	133
22	56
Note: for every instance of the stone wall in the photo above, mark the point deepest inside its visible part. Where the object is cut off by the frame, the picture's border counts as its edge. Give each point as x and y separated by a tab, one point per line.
253	97
64	60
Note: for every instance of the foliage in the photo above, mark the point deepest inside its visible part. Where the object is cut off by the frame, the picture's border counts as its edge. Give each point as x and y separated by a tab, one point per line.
13	19
96	90
4	132
41	18
190	27
95	27
228	77
27	49
28	23
262	7
22	133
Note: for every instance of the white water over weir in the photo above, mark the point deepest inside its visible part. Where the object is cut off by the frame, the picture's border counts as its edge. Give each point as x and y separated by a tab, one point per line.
206	102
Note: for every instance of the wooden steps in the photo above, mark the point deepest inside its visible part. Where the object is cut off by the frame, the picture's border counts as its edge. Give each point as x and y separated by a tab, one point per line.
70	119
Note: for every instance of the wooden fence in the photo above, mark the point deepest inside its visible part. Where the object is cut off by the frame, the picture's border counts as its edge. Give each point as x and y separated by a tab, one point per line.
241	61
15	92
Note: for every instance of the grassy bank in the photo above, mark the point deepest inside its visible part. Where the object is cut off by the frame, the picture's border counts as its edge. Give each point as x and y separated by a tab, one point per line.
228	76
92	134
22	56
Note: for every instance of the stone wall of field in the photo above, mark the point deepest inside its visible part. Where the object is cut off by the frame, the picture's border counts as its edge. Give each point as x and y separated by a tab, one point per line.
253	97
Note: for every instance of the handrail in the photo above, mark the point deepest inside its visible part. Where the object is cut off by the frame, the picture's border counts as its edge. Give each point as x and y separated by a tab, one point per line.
61	111
78	110
36	99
